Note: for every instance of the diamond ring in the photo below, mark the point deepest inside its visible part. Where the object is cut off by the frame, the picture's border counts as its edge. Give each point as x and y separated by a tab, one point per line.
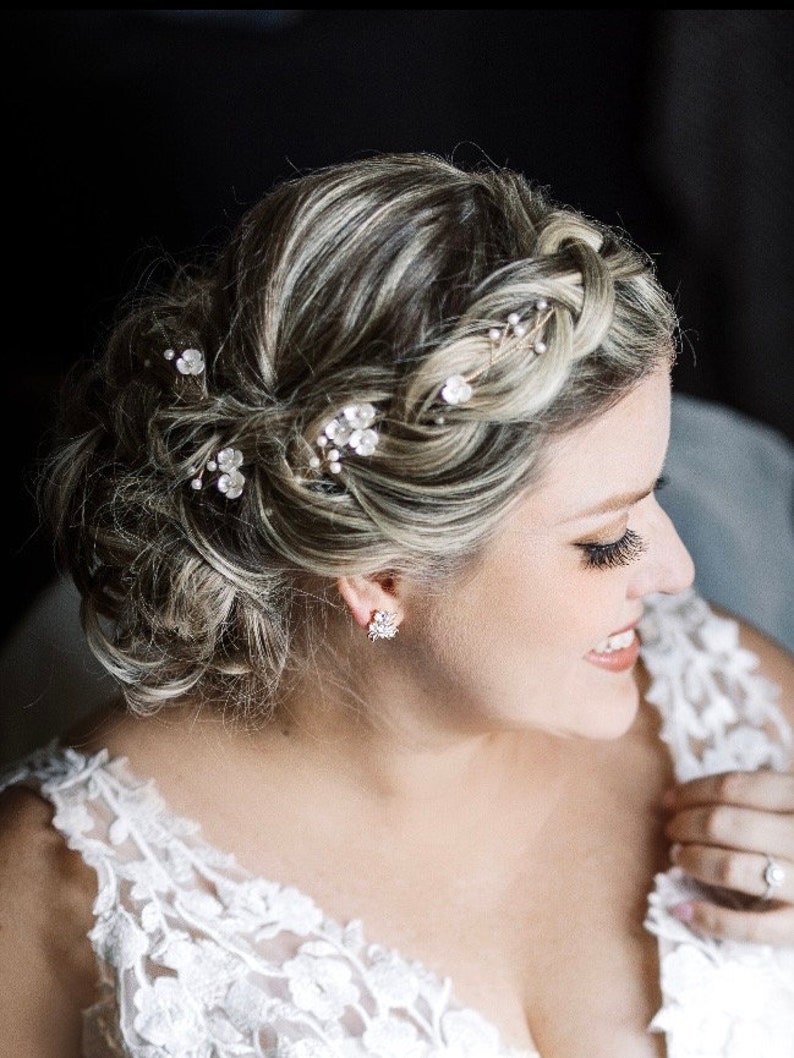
774	877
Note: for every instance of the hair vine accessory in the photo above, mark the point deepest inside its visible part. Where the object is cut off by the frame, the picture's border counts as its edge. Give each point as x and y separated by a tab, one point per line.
229	480
188	362
351	428
457	389
383	625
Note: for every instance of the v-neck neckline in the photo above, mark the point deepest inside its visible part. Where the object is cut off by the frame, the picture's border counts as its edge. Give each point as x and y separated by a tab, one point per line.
120	772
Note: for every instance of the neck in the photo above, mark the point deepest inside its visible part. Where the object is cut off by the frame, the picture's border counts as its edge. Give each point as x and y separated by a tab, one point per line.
396	745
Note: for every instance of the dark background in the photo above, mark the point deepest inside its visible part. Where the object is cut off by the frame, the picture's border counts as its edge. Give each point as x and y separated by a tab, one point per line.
132	133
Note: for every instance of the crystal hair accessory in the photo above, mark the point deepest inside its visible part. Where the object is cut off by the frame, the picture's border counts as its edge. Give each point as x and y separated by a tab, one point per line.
457	389
188	362
383	625
229	480
352	429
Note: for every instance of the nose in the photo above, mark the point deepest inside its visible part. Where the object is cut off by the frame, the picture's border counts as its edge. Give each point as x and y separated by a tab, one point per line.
667	566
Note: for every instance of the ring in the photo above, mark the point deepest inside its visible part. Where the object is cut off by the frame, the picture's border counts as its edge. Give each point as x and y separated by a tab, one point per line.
774	877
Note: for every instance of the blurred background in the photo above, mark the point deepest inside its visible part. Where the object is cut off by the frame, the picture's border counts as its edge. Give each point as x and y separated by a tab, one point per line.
132	134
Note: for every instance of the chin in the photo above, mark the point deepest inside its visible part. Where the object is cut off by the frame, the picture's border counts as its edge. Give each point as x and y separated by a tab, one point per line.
613	712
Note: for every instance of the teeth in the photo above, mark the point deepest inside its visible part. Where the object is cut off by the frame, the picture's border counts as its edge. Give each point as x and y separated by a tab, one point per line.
617	642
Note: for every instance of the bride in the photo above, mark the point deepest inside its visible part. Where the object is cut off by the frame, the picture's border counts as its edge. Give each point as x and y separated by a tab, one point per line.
424	745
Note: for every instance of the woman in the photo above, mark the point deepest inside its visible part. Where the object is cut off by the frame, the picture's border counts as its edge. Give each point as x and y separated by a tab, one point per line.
364	520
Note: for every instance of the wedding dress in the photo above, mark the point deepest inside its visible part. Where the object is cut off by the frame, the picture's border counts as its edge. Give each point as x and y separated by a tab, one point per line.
199	959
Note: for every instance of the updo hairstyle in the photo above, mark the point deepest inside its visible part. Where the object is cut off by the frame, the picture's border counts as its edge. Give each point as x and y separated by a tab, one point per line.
370	282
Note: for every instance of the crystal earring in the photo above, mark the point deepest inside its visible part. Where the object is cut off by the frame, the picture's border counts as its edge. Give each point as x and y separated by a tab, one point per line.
382	626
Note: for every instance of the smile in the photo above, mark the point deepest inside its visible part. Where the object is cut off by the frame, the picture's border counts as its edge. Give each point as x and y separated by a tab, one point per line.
618	641
617	653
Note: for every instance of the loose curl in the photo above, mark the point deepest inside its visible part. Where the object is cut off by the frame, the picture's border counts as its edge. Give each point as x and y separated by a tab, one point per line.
370	281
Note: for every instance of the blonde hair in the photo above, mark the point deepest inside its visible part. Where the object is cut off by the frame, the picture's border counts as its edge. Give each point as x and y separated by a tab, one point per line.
370	281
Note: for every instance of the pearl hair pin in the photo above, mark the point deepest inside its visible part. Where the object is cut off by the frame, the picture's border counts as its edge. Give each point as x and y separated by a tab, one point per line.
188	362
352	429
458	389
229	481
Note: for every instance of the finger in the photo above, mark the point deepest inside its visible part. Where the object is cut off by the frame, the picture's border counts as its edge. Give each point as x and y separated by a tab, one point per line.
772	925
727	826
742	872
772	791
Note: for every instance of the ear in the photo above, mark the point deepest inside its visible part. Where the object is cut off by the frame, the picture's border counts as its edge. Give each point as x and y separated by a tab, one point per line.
365	593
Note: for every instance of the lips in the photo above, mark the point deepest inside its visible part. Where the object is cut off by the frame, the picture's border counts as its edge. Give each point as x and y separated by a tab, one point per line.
618	652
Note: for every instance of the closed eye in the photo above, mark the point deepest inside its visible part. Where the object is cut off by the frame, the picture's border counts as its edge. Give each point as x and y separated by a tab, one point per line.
618	553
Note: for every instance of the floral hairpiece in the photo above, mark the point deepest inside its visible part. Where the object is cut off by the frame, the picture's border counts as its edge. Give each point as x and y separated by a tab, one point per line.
457	389
188	362
229	480
225	465
351	428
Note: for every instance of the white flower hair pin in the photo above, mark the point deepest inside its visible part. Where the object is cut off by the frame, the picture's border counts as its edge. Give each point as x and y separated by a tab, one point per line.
458	389
351	429
188	362
225	465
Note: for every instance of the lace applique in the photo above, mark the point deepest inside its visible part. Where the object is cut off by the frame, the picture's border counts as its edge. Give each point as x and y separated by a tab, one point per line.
720	998
717	713
199	959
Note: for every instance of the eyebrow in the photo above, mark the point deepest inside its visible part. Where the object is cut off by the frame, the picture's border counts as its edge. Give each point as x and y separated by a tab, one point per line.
615	503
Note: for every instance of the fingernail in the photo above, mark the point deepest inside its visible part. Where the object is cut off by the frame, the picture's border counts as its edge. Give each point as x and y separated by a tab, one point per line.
683	912
675	851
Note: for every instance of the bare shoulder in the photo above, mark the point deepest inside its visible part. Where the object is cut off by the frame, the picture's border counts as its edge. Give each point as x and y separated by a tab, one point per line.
776	662
47	967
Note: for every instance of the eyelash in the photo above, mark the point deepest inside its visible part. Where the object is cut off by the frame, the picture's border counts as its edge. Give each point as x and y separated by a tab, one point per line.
619	553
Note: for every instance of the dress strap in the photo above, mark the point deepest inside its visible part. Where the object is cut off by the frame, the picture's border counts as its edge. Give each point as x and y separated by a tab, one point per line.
718	712
726	998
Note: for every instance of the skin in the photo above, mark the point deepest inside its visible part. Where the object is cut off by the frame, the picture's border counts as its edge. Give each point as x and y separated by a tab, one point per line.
460	766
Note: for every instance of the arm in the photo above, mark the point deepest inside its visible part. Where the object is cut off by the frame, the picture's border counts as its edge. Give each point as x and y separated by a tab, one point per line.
47	968
726	828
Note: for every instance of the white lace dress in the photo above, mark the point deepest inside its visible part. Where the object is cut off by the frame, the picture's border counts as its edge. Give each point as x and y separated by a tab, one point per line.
199	959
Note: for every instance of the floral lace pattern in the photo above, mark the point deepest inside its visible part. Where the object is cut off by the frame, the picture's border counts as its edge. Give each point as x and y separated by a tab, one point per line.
199	959
721	999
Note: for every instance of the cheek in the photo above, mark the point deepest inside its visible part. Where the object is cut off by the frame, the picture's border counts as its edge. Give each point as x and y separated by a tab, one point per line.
527	604
527	619
567	614
442	637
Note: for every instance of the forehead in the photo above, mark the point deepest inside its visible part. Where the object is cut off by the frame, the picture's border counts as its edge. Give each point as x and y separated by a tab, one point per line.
619	452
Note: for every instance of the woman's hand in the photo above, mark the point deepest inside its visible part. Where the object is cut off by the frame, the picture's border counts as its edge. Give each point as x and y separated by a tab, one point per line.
736	831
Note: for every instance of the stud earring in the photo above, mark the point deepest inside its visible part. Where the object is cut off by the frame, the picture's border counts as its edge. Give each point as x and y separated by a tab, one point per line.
382	626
